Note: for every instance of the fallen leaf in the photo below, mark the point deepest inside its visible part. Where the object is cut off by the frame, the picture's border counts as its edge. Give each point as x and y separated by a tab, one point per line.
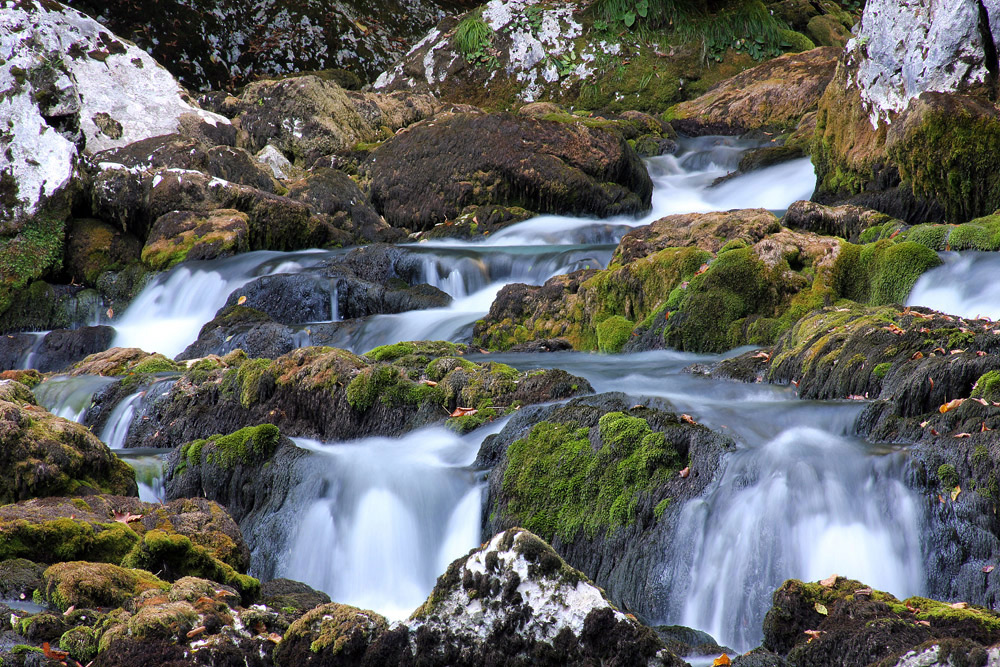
959	605
988	568
931	380
813	634
69	610
429	383
924	424
917	355
980	353
125	517
274	637
722	660
963	435
830	581
702	269
954	493
52	653
685	472
939	349
111	313
240	301
462	412
821	609
940	498
687	419
957	352
951	405
762	355
981	401
927	623
934	431
985	428
910	608
196	631
863	592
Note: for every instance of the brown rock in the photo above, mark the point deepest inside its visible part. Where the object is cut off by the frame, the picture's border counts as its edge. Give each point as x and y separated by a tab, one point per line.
181	235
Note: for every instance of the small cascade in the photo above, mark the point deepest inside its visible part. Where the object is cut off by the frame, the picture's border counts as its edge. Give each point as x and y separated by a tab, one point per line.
70	396
391	514
30	357
965	285
335	304
148	465
805	505
116	429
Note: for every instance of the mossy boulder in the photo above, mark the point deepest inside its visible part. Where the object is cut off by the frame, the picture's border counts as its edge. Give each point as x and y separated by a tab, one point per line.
430	173
599	477
94	246
850	623
124	361
92	585
184	537
331	634
45	455
770	97
19	577
328	393
848	222
184	235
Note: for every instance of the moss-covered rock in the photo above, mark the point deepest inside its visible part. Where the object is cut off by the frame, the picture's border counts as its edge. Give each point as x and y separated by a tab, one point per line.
330	393
45	455
331	634
430	173
183	235
91	585
124	361
93	246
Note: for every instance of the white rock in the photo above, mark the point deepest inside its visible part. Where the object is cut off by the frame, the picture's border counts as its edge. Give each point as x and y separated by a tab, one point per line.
906	47
271	157
88	79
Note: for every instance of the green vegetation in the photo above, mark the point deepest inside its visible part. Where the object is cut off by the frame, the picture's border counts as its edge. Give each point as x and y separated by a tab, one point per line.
948	476
987	386
556	484
881	370
613	333
881	273
473	39
250	445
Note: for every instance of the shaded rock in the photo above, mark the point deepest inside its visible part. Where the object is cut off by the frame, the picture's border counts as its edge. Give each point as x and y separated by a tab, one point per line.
827	30
332	193
844	221
93	246
286	594
430	173
331	394
60	348
288	298
241	328
688	642
707	231
45	455
772	96
14	348
42	306
19	577
514	600
183	235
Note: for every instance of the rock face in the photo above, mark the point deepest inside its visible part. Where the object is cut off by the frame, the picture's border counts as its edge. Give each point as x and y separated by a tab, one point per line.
773	96
45	455
430	173
903	124
512	601
598	478
74	89
202	49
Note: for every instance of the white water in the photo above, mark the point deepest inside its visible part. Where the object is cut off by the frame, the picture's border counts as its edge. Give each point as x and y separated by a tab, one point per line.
391	515
965	285
116	429
70	397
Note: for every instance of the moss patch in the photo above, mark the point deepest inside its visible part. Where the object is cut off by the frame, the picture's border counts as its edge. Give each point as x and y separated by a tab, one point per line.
249	445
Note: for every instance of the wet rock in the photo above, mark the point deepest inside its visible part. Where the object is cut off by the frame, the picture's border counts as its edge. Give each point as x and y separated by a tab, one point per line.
329	393
771	97
183	537
63	347
42	306
287	298
332	193
19	577
513	600
123	361
247	329
844	221
14	348
183	235
332	634
45	455
554	464
287	595
431	172
707	231
93	246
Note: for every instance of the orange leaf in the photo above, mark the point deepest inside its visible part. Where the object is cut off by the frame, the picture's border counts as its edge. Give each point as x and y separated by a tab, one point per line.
687	419
830	581
125	517
52	653
927	623
985	428
429	383
963	435
813	634
462	412
863	592
685	472
111	313
917	355
934	432
931	380
954	493
702	269
274	637
951	405
240	301
910	608
722	660
196	631
959	605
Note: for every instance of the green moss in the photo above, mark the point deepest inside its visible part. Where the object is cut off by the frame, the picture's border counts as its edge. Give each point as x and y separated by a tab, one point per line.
80	642
948	476
796	42
613	333
942	613
987	386
734	244
176	556
66	539
249	445
84	584
391	386
556	484
250	378
883	272
931	235
34	252
660	508
881	370
871	234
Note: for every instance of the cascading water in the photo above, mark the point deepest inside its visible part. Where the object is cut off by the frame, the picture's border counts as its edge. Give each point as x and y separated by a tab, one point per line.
70	397
965	285
390	515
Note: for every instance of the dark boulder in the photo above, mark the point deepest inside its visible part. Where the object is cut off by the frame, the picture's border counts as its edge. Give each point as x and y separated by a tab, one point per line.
63	347
431	172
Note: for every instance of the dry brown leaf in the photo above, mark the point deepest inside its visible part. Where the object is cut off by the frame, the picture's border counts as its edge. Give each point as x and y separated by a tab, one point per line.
951	405
940	498
927	623
813	634
52	653
917	355
963	435
702	269
274	637
722	660
957	352
863	592
462	412
125	517
685	472
429	383
959	605
954	493
984	428
110	313
910	608
196	631
687	419
934	432
988	568
981	401
830	581
762	355
980	353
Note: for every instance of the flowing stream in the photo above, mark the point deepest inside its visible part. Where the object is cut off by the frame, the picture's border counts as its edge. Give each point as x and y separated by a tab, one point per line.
380	518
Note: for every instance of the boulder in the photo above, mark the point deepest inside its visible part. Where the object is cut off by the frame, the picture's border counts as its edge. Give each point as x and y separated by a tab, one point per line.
847	222
333	394
63	347
706	231
771	97
183	235
332	193
74	89
431	172
45	455
93	247
895	126
554	470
